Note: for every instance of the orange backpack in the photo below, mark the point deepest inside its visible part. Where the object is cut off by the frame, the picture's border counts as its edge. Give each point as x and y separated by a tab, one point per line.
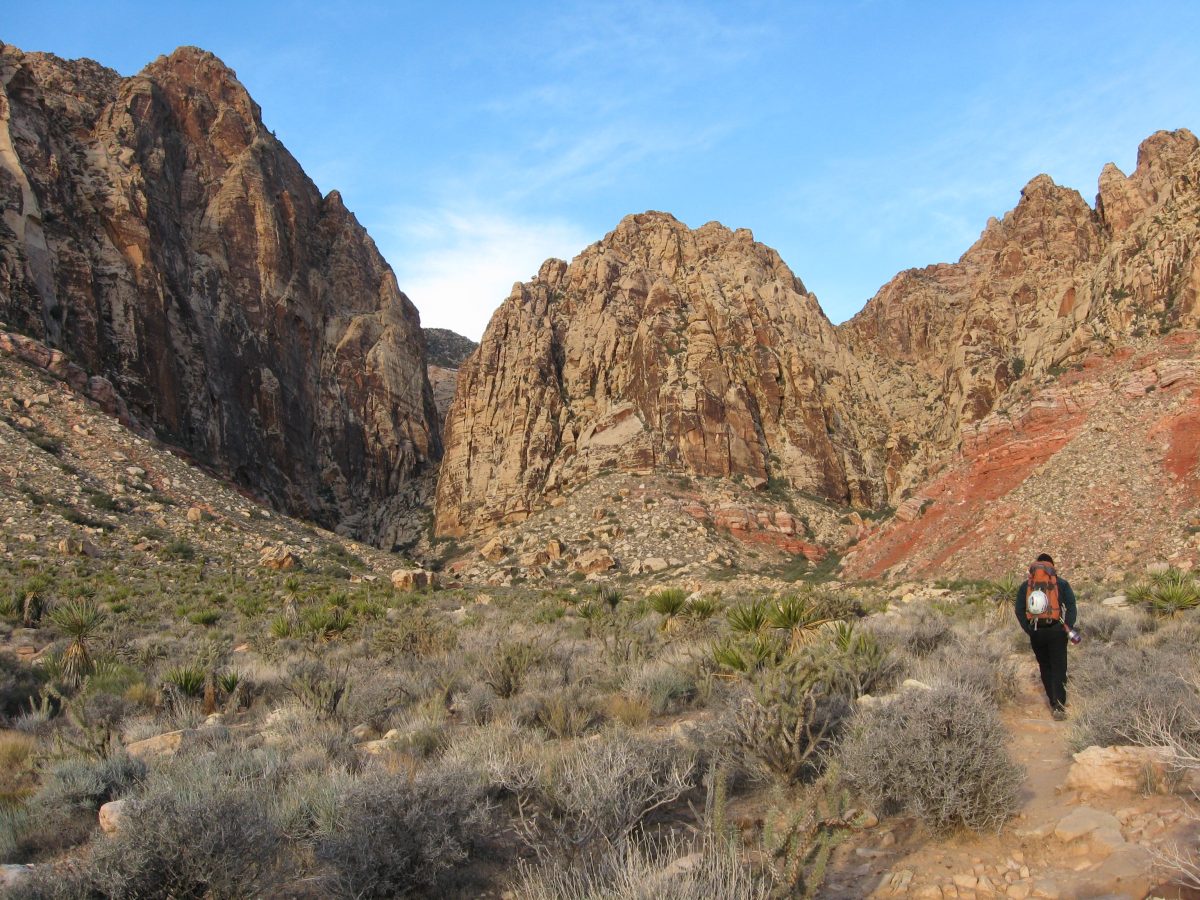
1042	578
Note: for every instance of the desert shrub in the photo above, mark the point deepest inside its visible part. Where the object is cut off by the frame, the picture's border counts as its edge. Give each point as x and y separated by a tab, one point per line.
62	813
921	632
670	603
399	837
936	754
574	798
317	687
632	712
376	699
1110	691
19	684
310	742
850	661
476	704
664	684
643	872
567	712
1111	626
981	663
786	719
309	804
188	680
178	550
701	609
505	671
749	618
748	654
181	841
836	605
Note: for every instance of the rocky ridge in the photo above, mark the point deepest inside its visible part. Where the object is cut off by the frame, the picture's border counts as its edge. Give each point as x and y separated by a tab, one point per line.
664	349
159	234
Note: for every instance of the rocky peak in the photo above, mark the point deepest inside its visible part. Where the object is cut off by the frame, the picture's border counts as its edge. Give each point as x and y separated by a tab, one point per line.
1121	200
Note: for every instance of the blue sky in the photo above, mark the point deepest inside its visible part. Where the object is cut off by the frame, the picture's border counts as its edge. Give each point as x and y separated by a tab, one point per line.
473	140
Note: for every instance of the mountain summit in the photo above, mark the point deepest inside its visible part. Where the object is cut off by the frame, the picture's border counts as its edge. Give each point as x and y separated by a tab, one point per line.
159	234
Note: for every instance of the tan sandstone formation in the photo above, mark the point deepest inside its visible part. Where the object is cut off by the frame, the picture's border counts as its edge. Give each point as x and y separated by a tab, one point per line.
159	234
659	348
665	349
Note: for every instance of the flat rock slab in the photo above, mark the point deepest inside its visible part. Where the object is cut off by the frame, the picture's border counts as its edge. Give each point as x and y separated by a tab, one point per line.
1083	821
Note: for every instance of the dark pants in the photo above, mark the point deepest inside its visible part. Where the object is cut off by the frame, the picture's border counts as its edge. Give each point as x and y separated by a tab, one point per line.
1050	647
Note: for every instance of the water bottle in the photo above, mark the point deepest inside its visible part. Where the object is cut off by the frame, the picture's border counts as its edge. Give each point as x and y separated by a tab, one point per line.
1073	635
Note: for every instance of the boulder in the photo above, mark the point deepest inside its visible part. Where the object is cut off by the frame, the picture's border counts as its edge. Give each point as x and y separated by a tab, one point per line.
114	815
1083	821
655	564
533	559
76	546
594	561
413	579
494	550
1119	769
279	558
554	549
167	744
14	875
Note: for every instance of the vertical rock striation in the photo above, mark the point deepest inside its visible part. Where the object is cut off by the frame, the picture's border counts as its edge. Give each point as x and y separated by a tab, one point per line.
157	232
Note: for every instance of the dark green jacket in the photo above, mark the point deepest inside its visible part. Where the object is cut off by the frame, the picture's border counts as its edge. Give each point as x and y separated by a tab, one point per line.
1066	598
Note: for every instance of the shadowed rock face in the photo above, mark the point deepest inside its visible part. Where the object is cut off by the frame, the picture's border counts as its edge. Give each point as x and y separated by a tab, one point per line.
159	234
659	348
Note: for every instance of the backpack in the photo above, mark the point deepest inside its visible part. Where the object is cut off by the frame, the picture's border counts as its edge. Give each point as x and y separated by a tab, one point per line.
1042	578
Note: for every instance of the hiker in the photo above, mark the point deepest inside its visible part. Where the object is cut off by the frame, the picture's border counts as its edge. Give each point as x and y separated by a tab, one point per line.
1046	610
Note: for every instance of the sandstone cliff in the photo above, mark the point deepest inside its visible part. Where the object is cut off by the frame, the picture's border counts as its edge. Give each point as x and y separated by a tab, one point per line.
1041	288
658	348
665	349
159	234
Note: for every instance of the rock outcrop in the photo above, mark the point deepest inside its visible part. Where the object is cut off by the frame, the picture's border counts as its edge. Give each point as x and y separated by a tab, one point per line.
1048	284
659	348
671	350
156	232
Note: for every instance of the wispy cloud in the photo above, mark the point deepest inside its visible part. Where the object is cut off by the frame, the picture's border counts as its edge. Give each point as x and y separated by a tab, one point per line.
458	264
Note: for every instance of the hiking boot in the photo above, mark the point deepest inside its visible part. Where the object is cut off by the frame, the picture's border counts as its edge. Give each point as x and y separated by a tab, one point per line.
1059	714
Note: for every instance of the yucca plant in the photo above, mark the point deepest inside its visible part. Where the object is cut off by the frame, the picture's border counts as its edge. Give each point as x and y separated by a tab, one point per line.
188	679
79	619
1167	593
325	621
798	618
611	596
670	604
748	618
745	657
702	608
228	681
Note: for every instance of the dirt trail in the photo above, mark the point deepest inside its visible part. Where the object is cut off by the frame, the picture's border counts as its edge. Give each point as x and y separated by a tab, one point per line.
1027	858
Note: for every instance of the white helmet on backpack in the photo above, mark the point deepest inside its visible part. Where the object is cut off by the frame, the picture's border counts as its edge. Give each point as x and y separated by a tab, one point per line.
1037	603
